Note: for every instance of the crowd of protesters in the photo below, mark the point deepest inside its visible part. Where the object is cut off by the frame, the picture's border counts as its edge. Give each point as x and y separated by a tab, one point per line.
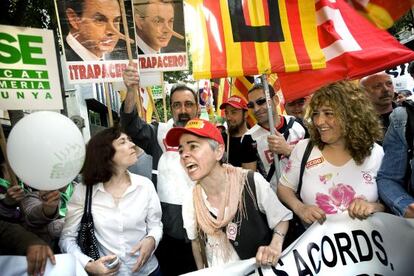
215	196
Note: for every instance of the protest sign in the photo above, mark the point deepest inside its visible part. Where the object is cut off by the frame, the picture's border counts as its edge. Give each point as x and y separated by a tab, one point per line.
379	245
93	39
160	35
29	76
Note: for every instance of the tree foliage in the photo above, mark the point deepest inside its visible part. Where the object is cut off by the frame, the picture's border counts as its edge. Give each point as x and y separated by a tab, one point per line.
28	13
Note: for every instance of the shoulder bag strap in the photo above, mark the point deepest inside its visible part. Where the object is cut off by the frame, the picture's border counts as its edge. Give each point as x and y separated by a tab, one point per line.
305	158
88	200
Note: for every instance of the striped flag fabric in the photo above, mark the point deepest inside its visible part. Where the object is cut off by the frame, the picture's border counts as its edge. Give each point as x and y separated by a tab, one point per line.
224	86
232	38
383	13
353	48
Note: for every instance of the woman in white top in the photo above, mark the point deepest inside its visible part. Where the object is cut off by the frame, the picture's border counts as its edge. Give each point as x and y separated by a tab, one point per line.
340	172
229	214
125	208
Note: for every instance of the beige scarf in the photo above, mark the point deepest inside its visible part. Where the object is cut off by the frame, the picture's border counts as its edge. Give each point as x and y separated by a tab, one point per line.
235	179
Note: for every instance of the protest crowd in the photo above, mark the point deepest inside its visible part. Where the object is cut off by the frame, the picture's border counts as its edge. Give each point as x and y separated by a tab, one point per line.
169	198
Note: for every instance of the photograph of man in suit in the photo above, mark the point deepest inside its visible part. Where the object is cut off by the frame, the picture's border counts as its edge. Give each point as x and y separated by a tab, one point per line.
94	29
154	24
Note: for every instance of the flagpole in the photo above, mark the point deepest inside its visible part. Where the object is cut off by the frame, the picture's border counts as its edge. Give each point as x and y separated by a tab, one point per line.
108	104
129	51
164	95
271	122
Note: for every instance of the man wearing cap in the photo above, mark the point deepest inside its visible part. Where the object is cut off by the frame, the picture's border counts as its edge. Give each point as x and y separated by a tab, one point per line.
219	210
235	110
380	90
296	108
174	251
288	133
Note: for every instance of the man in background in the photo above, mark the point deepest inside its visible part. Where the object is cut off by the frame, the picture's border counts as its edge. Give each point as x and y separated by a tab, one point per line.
235	109
296	108
380	90
174	252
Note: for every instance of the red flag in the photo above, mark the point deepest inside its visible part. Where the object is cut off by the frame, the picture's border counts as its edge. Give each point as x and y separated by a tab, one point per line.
353	48
383	13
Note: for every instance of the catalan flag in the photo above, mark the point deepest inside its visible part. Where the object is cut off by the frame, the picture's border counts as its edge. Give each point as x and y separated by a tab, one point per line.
240	38
383	13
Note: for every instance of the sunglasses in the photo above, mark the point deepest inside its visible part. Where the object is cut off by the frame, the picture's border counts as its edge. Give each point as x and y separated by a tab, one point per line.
259	102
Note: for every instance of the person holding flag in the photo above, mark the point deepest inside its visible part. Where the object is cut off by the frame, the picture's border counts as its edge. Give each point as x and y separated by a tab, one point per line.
288	132
174	252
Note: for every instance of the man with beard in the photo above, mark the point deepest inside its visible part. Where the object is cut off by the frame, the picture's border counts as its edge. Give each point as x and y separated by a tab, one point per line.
380	90
258	139
235	110
174	252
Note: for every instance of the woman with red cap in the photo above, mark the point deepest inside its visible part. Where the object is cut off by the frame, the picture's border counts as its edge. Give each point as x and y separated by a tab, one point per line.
231	213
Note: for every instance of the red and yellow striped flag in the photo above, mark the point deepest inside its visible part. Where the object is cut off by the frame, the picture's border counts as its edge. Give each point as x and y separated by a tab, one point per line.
239	38
383	13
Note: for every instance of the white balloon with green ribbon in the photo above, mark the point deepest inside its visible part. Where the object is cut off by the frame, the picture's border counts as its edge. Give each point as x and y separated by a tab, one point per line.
46	150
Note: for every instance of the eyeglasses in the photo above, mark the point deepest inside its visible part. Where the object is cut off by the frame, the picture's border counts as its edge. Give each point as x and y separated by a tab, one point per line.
259	102
179	105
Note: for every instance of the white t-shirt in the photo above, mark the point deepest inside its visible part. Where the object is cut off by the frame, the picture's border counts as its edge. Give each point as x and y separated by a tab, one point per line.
268	204
260	134
330	187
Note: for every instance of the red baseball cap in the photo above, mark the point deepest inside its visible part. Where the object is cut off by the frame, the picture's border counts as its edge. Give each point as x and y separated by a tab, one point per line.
236	102
197	127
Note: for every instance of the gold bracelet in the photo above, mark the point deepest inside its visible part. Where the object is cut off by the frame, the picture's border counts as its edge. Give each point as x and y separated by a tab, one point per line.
275	231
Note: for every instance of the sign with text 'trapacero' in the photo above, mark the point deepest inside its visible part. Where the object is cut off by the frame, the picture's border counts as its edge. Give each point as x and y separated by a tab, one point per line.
29	76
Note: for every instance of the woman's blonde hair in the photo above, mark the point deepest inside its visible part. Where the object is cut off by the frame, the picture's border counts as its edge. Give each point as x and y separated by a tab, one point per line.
357	117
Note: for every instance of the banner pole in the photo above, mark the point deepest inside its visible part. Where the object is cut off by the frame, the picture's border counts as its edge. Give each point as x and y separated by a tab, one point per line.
13	178
108	104
129	51
164	95
271	122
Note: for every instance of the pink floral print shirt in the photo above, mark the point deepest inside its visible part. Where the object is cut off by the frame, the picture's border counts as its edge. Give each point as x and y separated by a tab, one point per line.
330	187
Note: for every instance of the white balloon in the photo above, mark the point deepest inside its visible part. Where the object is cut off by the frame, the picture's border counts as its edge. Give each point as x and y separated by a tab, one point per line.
46	150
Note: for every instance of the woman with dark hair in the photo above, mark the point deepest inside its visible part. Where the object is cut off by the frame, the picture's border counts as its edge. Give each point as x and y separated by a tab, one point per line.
341	169
125	208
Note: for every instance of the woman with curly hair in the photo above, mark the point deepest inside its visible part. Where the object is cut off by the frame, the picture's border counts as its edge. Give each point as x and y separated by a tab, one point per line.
340	172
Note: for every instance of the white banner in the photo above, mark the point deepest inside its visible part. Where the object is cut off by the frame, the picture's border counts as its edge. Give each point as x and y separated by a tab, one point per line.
29	76
380	245
66	265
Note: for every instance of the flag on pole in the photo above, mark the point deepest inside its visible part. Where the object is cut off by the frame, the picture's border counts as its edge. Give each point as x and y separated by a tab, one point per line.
224	85
240	38
353	48
383	13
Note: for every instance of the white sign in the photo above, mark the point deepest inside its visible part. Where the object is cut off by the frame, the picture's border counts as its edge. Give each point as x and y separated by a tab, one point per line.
380	245
29	75
66	265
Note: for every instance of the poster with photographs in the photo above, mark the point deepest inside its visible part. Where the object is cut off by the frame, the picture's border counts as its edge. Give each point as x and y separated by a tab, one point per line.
94	40
160	35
